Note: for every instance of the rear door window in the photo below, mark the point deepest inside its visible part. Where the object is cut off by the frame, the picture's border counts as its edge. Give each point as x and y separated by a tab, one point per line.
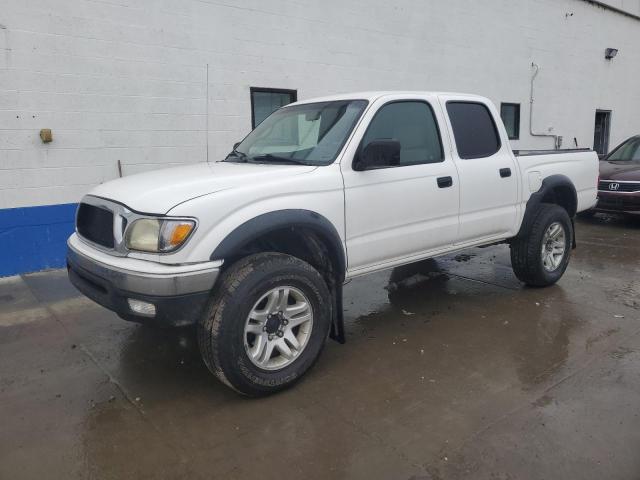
474	129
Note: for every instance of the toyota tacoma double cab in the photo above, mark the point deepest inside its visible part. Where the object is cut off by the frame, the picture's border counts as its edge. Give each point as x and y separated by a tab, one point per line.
254	249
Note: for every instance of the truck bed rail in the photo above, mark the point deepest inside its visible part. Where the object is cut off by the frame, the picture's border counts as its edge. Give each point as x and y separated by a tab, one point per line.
526	153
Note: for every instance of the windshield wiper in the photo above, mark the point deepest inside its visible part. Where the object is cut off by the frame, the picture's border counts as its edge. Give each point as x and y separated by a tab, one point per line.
269	158
241	156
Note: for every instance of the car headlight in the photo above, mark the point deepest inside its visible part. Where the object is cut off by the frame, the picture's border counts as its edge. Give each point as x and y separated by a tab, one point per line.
158	235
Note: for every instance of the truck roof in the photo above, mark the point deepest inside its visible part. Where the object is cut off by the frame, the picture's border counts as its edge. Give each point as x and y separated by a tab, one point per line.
375	95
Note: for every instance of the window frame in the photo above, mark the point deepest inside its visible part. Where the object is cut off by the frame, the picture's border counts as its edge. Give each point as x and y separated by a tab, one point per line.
517	120
493	122
407	100
292	93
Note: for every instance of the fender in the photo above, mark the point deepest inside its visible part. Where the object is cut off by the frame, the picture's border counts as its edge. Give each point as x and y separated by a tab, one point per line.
272	221
547	190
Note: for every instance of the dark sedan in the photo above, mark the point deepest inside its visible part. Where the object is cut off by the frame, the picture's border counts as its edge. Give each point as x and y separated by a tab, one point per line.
619	185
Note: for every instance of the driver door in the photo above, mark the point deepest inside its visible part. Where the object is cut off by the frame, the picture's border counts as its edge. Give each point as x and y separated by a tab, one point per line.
402	212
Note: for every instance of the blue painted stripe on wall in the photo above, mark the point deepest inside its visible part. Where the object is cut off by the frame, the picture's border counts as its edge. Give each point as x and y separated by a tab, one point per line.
34	238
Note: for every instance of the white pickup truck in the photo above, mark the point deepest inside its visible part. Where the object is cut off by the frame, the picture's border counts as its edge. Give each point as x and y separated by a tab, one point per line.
255	249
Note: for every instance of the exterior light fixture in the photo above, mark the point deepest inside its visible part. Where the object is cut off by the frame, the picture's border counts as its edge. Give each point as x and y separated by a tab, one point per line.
610	53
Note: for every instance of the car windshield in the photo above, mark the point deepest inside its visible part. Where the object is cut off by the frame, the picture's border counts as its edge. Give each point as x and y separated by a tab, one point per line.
629	151
308	134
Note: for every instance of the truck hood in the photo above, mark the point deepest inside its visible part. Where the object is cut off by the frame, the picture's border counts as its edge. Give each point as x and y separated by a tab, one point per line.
161	190
629	171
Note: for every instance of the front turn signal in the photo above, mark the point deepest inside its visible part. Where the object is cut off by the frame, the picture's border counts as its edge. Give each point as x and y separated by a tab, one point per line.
174	233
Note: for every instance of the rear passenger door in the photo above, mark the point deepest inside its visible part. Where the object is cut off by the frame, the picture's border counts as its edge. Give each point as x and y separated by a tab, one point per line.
487	170
402	211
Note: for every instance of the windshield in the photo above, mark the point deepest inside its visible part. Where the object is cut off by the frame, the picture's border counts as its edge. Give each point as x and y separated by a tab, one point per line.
629	151
309	134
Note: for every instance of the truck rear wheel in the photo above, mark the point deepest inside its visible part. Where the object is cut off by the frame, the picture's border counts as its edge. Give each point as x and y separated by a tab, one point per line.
540	255
266	323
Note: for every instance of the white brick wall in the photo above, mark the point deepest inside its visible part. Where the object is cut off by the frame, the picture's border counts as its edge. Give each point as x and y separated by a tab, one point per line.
630	6
126	80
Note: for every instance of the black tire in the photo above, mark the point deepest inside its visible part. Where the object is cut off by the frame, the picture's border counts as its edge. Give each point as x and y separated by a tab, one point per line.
526	248
221	329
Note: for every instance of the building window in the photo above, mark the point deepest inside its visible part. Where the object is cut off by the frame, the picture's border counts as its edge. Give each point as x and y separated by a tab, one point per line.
265	101
510	113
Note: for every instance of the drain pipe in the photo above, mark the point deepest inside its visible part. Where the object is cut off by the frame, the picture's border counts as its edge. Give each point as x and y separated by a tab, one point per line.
557	140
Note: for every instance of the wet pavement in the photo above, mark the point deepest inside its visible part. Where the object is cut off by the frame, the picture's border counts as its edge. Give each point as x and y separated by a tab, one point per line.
452	369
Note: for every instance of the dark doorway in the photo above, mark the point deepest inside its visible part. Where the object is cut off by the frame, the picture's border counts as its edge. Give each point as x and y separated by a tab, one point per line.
601	132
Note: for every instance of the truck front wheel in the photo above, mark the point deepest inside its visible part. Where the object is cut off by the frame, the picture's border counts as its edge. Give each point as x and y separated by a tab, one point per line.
540	255
266	323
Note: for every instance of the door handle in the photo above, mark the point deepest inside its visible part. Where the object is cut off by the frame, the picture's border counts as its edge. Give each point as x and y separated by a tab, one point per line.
505	172
445	182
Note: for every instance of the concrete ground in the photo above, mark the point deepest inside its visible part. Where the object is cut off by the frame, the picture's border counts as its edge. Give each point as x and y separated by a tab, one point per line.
451	370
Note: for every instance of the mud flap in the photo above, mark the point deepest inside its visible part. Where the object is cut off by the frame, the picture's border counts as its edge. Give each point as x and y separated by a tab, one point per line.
337	322
573	227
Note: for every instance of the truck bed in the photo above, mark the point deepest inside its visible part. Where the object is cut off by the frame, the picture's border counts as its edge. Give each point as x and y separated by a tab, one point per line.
578	164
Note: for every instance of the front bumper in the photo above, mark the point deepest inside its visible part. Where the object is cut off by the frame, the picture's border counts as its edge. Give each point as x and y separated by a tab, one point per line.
178	293
618	202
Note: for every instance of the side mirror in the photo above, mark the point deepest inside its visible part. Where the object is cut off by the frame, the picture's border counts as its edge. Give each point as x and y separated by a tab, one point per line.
236	145
378	154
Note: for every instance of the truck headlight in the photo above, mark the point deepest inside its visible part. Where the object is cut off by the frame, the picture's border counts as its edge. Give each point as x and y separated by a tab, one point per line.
158	235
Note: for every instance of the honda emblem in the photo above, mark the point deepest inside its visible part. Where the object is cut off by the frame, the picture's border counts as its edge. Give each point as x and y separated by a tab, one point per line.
614	186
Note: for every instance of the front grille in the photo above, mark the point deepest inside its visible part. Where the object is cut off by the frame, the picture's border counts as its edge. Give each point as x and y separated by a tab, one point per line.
605	185
95	224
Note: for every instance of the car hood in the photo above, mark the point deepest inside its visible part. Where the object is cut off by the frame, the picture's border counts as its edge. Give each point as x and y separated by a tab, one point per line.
629	171
161	190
